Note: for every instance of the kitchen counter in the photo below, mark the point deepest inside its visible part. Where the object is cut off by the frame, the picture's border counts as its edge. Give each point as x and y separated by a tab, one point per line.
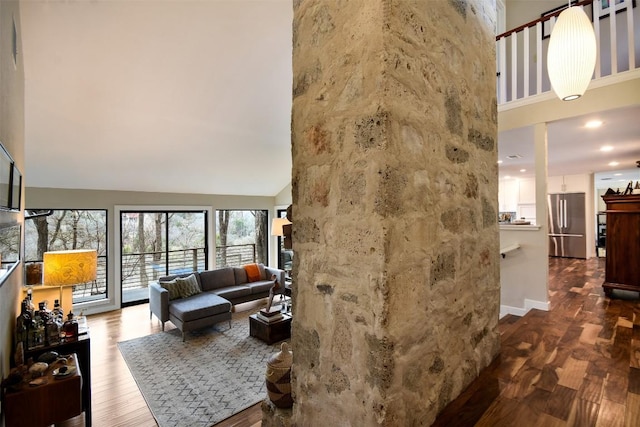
519	227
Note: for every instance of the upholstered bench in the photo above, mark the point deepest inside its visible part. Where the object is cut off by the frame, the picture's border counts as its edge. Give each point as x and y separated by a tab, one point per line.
199	311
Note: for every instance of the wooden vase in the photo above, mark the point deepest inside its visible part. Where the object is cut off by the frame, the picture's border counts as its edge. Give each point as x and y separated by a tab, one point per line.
278	377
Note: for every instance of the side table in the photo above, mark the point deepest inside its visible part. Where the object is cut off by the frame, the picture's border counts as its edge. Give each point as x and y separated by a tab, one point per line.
270	332
56	400
82	348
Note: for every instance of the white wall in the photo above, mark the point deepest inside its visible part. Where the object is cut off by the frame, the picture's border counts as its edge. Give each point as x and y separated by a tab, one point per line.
12	137
524	272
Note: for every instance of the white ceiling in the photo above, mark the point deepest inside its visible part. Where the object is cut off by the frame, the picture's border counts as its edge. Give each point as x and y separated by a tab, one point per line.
171	96
193	96
574	149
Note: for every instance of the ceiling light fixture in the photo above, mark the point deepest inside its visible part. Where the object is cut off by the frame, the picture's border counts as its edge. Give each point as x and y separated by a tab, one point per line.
592	124
614	164
616	174
523	170
606	148
571	57
499	162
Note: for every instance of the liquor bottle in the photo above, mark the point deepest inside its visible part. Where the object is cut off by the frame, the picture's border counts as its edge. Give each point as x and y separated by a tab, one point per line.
22	325
51	328
31	305
70	328
58	313
36	332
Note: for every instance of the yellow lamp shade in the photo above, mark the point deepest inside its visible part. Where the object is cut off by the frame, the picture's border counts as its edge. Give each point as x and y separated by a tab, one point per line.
69	267
277	224
571	57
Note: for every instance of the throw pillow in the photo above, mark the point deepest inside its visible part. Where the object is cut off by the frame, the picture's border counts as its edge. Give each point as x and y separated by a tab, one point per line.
173	288
188	286
253	272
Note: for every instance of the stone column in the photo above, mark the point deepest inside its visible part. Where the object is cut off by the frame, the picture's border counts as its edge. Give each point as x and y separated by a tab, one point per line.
394	207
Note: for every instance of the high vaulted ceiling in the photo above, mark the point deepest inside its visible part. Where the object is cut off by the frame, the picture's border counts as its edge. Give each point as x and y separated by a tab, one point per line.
194	96
171	96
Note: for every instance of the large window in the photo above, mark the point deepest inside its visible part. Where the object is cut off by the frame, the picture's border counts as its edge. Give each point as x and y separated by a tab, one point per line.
159	243
67	229
241	237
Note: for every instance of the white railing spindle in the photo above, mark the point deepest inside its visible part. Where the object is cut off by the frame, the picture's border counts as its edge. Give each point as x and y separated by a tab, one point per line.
525	63
596	29
538	58
502	46
614	41
514	66
630	38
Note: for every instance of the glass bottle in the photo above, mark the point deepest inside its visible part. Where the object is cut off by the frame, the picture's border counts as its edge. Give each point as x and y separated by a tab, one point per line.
22	325
70	328
58	313
36	332
31	306
51	328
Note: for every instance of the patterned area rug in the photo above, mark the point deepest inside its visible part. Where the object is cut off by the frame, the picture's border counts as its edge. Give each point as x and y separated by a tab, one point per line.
214	374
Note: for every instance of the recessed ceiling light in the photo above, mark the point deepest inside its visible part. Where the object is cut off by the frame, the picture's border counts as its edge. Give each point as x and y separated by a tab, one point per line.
592	124
523	170
614	164
507	177
499	162
606	148
617	174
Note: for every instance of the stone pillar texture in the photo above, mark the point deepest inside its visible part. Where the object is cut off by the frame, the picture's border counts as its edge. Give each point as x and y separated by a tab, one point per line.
395	181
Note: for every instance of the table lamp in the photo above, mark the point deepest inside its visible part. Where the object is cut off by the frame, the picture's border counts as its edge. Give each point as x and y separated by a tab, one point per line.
67	268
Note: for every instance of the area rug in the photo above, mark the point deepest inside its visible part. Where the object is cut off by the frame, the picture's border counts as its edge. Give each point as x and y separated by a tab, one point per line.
214	374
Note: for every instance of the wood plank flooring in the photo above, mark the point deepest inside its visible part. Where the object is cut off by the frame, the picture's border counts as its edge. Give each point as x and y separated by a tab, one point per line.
575	365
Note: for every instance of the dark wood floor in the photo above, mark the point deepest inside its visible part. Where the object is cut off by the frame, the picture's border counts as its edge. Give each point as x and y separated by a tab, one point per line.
575	365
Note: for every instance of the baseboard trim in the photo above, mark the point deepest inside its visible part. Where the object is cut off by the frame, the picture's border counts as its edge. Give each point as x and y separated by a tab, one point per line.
528	305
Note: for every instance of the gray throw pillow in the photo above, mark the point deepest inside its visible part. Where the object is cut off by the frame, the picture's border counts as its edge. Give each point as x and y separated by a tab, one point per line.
188	285
173	287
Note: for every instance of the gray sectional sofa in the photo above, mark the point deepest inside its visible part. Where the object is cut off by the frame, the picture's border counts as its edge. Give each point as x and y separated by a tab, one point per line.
220	290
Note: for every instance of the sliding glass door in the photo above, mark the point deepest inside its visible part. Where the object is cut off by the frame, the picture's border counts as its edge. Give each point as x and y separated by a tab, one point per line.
159	243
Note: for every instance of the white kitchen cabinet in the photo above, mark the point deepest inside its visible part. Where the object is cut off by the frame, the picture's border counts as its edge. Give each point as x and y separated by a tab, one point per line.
508	195
527	191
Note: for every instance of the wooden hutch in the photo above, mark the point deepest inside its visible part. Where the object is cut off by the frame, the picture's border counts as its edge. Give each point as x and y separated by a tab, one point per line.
622	268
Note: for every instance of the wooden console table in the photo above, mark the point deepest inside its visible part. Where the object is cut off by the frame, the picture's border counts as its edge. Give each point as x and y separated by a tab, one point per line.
56	400
622	265
82	348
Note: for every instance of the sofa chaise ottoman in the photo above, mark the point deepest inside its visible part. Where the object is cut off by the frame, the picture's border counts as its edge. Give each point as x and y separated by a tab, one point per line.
209	296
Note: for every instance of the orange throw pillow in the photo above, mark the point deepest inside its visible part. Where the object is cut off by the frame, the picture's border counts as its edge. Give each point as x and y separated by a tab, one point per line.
253	272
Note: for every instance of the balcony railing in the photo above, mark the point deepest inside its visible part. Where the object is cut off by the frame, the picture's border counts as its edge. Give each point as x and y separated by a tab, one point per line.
521	53
138	269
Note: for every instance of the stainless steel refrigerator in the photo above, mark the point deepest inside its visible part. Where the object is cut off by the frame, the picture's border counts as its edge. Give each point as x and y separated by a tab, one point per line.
567	225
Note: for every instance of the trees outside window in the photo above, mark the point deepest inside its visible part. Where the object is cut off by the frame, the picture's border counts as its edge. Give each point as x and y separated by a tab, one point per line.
68	229
241	237
159	243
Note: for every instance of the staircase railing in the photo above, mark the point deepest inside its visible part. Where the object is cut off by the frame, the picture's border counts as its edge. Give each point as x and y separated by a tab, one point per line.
521	53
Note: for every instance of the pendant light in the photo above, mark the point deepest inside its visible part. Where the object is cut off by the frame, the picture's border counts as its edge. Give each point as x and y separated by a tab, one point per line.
571	57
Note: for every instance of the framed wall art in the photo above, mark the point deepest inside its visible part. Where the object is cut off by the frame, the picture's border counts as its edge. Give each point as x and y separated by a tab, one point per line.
604	6
6	167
